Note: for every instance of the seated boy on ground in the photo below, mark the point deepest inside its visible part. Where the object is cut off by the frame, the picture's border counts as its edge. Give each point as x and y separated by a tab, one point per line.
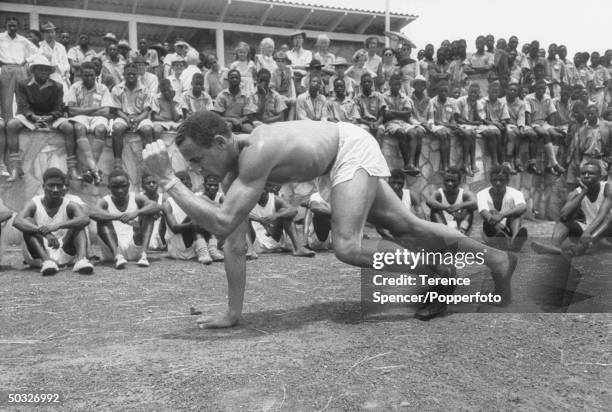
212	192
452	205
585	216
54	228
185	239
150	189
317	223
501	208
270	219
125	222
166	111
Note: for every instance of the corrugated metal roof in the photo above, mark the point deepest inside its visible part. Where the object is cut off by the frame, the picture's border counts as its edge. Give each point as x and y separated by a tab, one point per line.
311	5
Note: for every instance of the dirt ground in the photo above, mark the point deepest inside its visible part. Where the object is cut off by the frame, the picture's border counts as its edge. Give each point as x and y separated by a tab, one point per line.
125	340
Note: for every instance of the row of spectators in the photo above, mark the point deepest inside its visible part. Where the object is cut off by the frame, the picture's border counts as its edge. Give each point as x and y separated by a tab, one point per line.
499	93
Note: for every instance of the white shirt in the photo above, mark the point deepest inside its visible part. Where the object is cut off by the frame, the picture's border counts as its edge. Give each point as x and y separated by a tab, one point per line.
17	50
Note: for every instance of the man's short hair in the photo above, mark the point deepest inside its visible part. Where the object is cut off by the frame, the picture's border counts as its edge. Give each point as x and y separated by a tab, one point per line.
96	58
233	71
88	66
212	178
500	170
541	81
129	66
366	75
54	173
593	163
397	174
10	19
264	72
165	82
394	77
454	170
117	173
145	175
339	80
202	127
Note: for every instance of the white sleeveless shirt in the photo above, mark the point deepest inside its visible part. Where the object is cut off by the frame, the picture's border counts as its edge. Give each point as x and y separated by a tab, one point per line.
42	218
123	230
590	208
266	210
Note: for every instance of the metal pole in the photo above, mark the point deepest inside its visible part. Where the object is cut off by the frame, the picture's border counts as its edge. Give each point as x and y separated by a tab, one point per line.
387	20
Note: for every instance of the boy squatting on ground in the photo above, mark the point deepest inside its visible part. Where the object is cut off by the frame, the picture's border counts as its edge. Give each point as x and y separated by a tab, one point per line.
53	228
301	151
125	222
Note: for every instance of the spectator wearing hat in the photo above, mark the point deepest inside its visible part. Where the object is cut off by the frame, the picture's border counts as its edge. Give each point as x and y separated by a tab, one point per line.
125	50
236	107
359	68
56	54
215	79
246	67
15	51
192	58
282	82
180	50
270	105
340	67
312	69
177	67
341	108
79	54
299	56
265	60
148	80
323	54
39	105
108	39
373	60
132	106
311	103
150	55
88	104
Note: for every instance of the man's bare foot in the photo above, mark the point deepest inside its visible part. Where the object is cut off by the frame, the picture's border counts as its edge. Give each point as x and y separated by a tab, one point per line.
221	321
503	279
302	252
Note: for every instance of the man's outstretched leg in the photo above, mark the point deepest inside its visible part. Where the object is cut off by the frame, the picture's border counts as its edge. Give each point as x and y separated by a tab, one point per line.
352	200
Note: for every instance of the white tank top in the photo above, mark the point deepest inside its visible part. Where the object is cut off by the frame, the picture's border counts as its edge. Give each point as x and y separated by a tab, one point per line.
178	214
123	230
590	208
266	210
445	201
41	217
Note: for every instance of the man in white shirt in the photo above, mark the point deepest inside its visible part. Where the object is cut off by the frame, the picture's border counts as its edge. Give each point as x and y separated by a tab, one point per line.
501	208
299	57
15	51
56	53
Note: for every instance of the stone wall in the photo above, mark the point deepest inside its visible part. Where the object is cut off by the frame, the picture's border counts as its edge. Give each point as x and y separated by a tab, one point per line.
44	149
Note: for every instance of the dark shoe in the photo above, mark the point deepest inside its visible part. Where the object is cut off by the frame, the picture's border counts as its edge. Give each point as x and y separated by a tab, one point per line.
519	167
87	177
97	177
411	171
532	168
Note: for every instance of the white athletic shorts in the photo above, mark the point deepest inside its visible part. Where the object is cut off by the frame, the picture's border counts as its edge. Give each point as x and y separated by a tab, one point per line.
58	255
357	149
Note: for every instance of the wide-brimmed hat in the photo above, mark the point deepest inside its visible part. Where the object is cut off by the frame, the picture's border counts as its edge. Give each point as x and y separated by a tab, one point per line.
298	33
281	55
40	60
181	42
123	43
314	64
341	61
47	27
110	36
